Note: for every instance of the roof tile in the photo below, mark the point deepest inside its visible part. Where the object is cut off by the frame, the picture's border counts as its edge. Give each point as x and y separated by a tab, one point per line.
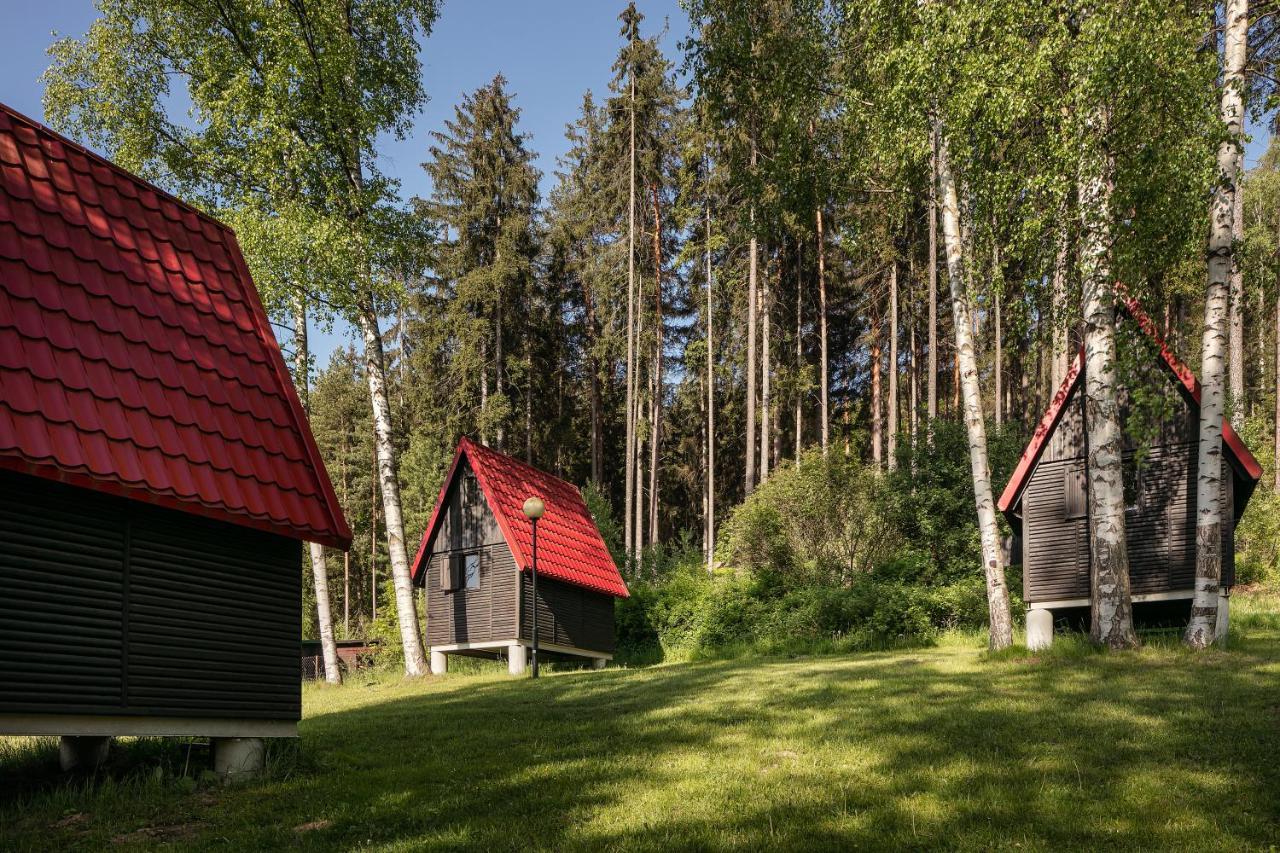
134	354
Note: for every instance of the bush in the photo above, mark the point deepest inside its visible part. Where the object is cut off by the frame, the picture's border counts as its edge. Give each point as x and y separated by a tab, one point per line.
829	555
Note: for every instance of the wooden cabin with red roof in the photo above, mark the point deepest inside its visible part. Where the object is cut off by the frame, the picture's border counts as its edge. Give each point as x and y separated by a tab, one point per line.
1046	501
476	556
157	473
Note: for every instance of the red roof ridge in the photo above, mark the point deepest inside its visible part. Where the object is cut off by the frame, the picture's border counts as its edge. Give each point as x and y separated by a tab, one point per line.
119	170
1190	386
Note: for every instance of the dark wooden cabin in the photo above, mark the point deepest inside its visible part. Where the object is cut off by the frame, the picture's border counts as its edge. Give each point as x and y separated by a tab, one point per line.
476	555
157	473
1046	500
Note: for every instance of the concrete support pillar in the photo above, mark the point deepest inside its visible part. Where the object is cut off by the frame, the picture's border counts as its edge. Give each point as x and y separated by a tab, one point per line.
1039	629
516	658
599	663
238	757
1224	618
439	662
82	752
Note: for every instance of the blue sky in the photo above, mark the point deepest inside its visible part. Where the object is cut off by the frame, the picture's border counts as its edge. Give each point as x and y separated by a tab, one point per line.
550	51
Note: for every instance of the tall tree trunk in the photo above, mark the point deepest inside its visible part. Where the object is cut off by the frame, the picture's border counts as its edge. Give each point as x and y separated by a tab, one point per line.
1061	337
824	367
415	663
1276	442
753	295
799	416
596	403
1111	617
1235	362
711	412
319	566
630	533
1204	606
638	460
933	277
346	556
766	371
484	389
999	365
877	406
893	365
1001	627
499	382
655	405
373	537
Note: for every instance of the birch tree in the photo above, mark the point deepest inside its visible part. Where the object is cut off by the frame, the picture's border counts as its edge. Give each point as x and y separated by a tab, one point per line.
1001	622
1111	616
1213	349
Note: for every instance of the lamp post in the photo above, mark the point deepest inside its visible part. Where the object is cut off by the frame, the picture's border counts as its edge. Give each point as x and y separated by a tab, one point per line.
533	510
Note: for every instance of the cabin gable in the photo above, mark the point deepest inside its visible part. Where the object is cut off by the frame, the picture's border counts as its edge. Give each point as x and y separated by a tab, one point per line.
1160	501
468	537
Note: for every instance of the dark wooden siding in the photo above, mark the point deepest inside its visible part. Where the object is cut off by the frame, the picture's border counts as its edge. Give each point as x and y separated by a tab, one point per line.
1160	526
568	615
109	606
488	612
473	615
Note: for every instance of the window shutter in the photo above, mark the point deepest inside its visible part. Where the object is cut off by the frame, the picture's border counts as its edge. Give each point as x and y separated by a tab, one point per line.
1074	491
446	572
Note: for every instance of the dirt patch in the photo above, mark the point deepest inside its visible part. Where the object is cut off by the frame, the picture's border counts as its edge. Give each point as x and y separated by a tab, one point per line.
312	826
173	832
71	821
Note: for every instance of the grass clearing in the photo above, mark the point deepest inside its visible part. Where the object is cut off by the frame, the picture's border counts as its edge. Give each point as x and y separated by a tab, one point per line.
943	747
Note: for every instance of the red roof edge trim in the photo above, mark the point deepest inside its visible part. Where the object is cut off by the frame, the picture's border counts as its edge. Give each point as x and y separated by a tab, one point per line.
1047	424
1245	459
342	537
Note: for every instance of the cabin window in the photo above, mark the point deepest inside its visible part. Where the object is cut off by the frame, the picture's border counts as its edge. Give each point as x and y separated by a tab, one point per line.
1074	491
461	571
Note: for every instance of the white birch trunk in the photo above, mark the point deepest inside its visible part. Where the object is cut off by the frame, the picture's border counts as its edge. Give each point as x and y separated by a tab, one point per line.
1111	618
1001	627
1235	361
406	611
1204	606
999	365
319	566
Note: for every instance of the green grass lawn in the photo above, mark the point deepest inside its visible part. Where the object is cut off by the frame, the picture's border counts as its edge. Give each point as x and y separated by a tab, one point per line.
937	747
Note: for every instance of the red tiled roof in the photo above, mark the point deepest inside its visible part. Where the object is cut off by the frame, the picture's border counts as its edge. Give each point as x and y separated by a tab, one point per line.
135	357
570	547
1189	386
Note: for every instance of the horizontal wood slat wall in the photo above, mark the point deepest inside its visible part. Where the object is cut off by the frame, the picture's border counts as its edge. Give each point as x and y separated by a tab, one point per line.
114	606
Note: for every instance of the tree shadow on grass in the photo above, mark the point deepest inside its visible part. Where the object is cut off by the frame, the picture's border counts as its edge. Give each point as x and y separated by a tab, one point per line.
934	748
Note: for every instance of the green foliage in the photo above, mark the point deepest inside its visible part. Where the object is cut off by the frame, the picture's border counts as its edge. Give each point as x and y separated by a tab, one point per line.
828	555
822	522
1258	532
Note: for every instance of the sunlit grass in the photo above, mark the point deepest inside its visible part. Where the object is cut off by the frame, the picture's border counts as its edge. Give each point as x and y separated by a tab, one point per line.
946	747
